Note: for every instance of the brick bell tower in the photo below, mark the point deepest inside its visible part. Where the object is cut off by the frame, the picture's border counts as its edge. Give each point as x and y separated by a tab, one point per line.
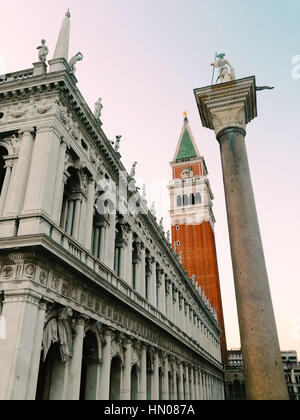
192	221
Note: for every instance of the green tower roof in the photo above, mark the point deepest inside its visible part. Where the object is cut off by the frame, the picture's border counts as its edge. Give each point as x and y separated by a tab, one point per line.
186	149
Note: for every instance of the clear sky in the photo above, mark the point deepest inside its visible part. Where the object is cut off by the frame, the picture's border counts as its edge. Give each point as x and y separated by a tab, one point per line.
144	58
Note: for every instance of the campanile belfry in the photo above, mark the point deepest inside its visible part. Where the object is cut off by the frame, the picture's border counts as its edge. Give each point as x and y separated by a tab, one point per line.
192	221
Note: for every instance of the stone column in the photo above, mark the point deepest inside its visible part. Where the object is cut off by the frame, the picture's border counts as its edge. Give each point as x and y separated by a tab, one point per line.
105	369
192	384
181	388
36	354
165	390
77	216
153	282
128	257
24	325
227	110
196	377
174	390
110	243
126	388
89	215
5	186
143	374
187	395
59	183
141	279
156	376
18	186
42	176
74	374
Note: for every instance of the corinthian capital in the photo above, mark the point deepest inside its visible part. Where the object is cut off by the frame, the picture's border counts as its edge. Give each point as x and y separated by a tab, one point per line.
232	116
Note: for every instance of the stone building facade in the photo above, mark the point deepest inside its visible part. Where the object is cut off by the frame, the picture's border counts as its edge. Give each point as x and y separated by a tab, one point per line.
94	303
235	379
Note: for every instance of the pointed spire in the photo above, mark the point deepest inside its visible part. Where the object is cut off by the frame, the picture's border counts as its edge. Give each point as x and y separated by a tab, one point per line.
62	45
186	147
61	52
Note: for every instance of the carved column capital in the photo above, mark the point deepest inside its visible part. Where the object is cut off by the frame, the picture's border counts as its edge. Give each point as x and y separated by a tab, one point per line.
26	130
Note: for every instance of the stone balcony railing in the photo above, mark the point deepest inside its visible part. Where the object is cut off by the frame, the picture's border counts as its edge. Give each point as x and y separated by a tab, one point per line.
18	75
87	259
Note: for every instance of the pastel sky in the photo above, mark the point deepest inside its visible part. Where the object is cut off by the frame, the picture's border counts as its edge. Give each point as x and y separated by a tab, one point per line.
144	58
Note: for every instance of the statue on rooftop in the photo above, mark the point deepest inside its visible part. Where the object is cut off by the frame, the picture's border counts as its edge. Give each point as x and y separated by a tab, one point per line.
117	143
43	51
223	65
132	172
98	109
74	60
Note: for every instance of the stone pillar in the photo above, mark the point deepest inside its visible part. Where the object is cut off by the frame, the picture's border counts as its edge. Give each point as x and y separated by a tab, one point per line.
42	176
181	387
59	184
174	388
110	243
77	216
24	325
105	369
156	376
197	393
19	182
141	279
192	384
187	395
89	215
75	364
143	374
126	388
36	354
152	287
165	390
5	186
227	110
128	257
201	388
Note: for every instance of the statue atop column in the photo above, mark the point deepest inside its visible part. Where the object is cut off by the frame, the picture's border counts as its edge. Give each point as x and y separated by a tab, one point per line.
74	60
43	51
223	65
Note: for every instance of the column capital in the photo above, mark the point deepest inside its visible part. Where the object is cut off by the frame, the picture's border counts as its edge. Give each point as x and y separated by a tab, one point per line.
26	130
231	104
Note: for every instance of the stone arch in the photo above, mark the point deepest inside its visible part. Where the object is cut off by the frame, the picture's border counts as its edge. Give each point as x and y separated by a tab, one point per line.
51	376
90	367
179	201
115	378
134	383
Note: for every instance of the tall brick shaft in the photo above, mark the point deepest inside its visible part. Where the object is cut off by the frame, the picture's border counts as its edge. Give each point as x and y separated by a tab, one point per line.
227	108
192	221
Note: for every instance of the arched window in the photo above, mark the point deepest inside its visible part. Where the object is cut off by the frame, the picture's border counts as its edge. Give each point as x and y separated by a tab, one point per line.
147	279
192	199
185	200
198	198
3	152
179	201
5	174
98	236
71	204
